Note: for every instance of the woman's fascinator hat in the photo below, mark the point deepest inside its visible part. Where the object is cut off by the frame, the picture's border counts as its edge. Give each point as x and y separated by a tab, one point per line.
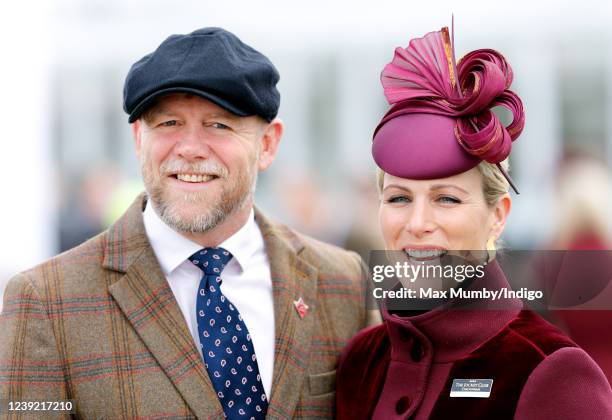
441	121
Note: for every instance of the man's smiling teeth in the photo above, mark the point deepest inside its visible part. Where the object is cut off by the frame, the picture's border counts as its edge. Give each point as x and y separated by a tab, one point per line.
194	178
424	253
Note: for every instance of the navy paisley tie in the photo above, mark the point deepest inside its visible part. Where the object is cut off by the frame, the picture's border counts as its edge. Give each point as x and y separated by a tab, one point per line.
227	348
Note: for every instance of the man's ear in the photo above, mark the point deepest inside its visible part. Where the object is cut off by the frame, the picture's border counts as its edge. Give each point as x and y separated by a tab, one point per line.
136	133
269	143
500	215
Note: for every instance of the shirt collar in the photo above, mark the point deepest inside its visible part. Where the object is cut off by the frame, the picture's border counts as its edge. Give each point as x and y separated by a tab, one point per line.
172	249
245	243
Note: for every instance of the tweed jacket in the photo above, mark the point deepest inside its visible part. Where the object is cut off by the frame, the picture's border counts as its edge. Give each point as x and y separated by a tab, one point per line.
99	325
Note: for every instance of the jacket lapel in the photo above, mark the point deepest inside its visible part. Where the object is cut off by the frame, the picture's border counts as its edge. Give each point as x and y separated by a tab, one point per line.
144	296
292	278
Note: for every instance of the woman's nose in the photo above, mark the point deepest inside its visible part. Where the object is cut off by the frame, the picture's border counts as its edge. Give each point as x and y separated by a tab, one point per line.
420	219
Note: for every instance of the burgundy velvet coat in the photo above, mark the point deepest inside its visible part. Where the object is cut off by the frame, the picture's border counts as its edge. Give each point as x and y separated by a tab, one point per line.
405	367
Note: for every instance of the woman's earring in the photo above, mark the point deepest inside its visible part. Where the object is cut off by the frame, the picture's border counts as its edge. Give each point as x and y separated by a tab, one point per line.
491	244
491	248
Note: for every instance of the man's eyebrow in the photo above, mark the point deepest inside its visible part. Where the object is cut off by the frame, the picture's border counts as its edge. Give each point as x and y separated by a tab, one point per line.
158	111
223	114
215	114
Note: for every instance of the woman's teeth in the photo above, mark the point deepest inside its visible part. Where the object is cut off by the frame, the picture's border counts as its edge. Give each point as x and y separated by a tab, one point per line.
424	253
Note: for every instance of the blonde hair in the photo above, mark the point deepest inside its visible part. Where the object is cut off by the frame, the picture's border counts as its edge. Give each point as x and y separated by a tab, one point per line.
494	184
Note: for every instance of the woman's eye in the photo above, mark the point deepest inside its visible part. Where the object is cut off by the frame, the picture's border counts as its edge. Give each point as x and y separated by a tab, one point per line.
398	199
170	123
449	199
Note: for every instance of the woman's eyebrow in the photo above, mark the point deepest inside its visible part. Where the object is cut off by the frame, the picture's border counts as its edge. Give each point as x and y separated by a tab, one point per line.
432	188
401	187
441	186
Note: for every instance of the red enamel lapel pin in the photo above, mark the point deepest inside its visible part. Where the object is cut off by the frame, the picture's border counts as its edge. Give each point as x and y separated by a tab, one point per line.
301	307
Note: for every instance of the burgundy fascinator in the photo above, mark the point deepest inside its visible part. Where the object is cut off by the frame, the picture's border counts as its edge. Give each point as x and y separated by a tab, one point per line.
441	121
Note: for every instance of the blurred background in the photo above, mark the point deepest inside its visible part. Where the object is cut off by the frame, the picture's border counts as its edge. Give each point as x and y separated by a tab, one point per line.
69	169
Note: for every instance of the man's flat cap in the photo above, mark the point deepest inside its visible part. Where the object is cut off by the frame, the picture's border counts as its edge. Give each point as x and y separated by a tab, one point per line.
211	63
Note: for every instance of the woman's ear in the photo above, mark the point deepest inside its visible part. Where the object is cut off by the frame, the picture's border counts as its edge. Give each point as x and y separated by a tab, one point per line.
500	215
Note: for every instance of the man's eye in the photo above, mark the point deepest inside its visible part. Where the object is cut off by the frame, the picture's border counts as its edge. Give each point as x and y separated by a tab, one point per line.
449	199
398	199
169	123
220	126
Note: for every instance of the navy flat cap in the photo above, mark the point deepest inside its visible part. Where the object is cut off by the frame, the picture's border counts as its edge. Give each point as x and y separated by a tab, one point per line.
211	63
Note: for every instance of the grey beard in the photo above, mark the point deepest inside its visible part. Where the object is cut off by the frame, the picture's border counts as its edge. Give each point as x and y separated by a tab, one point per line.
198	224
204	221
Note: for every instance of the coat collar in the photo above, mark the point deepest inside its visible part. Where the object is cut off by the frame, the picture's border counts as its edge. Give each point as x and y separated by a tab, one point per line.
450	331
293	278
126	239
144	296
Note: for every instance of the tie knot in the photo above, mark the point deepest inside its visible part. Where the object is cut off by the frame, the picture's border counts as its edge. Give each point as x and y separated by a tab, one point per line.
211	260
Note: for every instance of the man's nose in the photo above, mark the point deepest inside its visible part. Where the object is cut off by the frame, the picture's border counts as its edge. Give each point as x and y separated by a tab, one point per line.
193	143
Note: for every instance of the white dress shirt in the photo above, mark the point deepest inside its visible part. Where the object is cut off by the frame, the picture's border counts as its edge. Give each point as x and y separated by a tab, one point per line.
246	282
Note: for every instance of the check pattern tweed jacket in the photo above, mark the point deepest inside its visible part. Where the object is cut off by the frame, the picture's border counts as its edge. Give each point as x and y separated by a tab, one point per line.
99	325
